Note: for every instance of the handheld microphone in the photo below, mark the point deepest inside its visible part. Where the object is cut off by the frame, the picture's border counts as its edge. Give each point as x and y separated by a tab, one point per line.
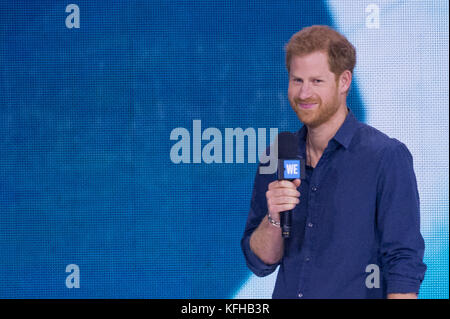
290	166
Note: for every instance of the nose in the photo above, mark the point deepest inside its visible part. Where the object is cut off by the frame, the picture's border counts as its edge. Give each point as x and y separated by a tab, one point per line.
304	91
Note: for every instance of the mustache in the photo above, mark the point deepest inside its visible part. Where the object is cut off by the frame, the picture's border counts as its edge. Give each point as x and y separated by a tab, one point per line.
298	101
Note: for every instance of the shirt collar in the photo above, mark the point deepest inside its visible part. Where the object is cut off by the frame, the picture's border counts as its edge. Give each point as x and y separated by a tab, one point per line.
343	135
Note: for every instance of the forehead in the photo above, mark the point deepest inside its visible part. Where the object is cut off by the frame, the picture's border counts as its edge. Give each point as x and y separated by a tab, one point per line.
313	63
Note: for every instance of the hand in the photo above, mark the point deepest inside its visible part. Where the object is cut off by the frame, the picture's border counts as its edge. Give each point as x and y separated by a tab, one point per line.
282	196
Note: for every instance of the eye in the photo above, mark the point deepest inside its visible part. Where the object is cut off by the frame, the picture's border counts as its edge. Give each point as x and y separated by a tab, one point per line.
317	81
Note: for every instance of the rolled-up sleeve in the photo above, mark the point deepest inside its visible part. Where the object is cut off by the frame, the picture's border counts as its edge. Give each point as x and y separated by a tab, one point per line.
258	210
398	221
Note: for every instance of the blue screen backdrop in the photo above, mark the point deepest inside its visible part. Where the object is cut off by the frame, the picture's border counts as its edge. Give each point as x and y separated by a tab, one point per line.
86	115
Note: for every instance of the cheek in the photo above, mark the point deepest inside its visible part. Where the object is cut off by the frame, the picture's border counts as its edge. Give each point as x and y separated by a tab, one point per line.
326	95
292	99
291	92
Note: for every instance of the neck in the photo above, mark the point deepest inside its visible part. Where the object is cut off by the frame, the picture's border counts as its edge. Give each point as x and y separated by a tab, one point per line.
318	137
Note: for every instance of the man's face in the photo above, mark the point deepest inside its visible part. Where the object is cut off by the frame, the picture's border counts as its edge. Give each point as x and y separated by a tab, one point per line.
313	89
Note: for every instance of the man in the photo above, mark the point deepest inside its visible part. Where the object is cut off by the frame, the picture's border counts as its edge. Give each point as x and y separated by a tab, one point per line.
355	222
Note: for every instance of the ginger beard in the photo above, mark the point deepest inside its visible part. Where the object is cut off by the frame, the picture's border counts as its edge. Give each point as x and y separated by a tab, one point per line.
319	114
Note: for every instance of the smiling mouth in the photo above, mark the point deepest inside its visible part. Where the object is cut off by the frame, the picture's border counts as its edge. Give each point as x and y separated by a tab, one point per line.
307	105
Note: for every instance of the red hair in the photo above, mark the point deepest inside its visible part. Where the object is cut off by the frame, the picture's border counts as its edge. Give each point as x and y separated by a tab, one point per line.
341	53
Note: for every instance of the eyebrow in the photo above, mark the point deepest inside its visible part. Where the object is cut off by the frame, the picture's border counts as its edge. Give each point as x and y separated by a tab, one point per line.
311	77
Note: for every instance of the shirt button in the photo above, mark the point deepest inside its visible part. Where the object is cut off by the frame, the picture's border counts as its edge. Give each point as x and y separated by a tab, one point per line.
307	259
314	189
310	225
300	295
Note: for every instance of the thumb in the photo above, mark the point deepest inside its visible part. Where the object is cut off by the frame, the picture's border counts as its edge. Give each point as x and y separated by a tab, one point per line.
297	182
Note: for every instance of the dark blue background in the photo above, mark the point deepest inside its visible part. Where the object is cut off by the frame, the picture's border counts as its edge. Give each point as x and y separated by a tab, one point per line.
85	120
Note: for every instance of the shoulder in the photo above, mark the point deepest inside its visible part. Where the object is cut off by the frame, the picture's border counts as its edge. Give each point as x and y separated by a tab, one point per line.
379	146
373	140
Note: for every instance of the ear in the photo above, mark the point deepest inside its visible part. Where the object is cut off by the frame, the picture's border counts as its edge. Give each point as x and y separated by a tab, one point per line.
345	79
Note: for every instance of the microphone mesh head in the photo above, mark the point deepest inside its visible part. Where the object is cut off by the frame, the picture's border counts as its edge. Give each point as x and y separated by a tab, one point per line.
287	145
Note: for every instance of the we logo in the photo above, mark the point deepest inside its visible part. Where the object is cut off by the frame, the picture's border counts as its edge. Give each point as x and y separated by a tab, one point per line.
291	169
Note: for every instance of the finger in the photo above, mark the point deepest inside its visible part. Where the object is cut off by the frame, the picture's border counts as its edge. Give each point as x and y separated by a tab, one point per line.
273	185
297	182
286	184
284	200
281	208
284	192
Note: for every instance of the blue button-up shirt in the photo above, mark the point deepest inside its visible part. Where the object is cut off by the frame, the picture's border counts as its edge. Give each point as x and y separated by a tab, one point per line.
355	232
